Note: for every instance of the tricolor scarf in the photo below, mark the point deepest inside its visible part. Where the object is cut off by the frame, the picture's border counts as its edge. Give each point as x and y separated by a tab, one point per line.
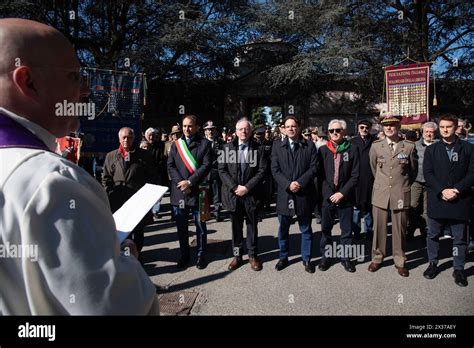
191	164
186	155
340	148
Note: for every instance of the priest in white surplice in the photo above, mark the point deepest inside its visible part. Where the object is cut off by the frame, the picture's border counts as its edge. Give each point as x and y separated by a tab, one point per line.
59	251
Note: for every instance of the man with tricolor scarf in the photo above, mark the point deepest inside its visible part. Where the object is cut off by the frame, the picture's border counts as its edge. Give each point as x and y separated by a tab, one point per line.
339	174
189	163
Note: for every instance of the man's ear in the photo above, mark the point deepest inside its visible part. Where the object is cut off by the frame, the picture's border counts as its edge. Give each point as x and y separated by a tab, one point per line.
23	80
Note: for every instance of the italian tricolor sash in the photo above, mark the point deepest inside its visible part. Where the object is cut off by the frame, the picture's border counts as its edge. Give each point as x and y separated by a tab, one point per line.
186	155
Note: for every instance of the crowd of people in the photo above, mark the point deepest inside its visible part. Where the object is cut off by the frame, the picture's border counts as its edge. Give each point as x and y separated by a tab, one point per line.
80	267
371	178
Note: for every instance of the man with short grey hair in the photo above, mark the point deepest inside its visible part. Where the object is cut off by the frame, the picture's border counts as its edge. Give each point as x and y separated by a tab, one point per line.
418	195
126	170
149	135
338	171
242	167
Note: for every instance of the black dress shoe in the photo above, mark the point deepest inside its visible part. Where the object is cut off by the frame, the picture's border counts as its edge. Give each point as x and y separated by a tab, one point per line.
183	262
201	262
459	278
281	264
348	266
324	265
431	271
308	266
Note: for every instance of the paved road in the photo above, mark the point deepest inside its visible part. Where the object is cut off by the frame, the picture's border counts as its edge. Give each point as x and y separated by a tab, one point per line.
215	291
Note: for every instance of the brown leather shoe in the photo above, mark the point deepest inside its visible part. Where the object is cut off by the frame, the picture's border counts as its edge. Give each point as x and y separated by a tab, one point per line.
236	263
255	264
402	271
374	267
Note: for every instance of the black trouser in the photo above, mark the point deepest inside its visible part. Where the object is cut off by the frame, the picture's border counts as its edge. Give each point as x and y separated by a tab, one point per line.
138	233
216	191
459	231
237	217
138	236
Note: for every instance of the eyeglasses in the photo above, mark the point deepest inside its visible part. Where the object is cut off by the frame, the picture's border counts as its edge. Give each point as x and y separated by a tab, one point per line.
337	130
363	127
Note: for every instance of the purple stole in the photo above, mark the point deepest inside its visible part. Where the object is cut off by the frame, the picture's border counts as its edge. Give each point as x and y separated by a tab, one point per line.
13	134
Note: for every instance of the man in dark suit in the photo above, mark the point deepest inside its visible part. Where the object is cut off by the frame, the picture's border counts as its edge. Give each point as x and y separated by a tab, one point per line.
267	183
338	163
126	170
213	178
189	163
242	167
363	190
293	166
448	168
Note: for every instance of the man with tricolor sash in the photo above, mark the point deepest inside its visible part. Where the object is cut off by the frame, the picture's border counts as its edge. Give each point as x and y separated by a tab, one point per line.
189	163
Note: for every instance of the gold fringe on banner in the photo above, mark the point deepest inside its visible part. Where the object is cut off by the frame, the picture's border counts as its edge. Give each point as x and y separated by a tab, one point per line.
411	126
435	101
145	87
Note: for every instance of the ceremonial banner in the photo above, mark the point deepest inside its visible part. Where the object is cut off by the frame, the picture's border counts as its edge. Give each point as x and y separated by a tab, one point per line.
407	89
69	147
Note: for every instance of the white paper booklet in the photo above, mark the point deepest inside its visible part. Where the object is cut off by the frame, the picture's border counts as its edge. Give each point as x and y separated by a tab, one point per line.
133	210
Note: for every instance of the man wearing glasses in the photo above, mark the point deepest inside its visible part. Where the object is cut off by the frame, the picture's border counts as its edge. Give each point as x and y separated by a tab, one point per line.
338	172
394	163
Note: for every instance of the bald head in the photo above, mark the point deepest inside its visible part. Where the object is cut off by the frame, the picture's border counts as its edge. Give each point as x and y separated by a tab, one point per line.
38	68
31	42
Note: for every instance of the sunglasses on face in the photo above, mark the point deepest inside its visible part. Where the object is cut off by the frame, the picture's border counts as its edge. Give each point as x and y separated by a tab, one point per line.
337	130
363	127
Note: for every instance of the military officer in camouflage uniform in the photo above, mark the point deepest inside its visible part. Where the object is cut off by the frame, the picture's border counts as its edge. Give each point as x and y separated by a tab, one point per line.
394	163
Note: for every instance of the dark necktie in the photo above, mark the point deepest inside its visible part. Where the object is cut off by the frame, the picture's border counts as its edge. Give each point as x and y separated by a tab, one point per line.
243	161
